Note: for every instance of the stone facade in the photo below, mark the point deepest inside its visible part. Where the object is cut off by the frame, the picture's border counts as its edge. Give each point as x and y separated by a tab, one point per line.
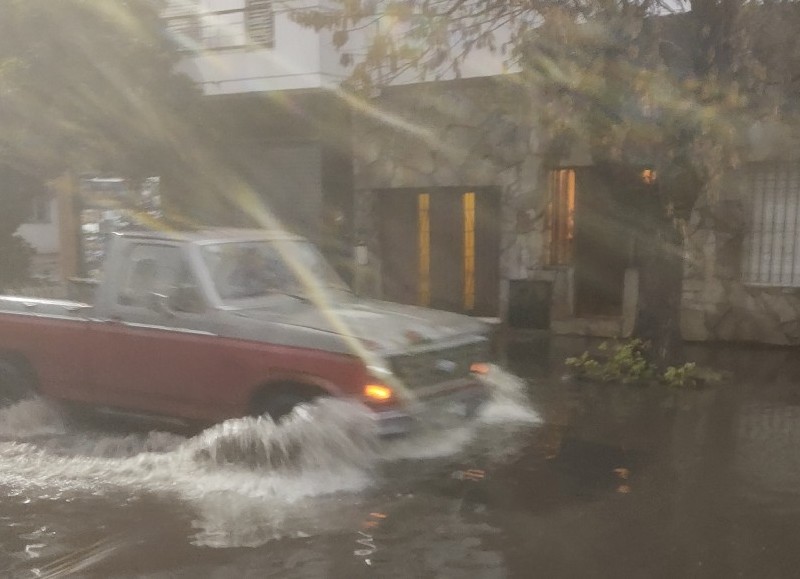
454	135
717	305
449	135
440	135
728	310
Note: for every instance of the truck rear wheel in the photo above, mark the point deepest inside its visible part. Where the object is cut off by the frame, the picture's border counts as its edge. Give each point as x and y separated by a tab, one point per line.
15	384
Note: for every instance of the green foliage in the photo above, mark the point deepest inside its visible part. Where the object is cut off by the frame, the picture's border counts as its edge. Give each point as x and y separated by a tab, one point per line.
89	85
627	363
623	362
670	85
85	86
690	376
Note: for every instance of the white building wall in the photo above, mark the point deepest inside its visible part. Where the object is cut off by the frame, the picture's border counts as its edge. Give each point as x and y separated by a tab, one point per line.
300	58
43	237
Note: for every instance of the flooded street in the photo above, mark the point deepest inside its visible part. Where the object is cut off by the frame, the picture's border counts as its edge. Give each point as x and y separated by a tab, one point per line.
584	481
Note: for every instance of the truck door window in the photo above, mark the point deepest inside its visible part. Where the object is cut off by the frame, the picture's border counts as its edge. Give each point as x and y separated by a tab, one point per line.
151	269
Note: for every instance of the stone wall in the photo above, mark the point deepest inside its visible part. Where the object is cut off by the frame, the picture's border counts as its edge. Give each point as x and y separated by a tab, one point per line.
728	310
455	134
440	135
717	305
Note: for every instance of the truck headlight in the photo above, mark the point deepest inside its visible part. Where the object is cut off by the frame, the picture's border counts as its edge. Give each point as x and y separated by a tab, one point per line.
378	393
481	368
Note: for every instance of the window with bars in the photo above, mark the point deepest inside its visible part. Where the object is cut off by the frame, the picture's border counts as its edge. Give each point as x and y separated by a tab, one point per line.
252	23
771	252
260	22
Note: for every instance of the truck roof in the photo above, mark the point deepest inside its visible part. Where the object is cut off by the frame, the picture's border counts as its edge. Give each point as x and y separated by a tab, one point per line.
211	235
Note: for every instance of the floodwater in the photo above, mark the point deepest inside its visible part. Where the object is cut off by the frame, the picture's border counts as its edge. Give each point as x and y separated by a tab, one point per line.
555	479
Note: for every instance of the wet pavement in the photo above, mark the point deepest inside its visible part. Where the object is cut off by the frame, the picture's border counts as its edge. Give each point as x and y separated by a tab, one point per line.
588	481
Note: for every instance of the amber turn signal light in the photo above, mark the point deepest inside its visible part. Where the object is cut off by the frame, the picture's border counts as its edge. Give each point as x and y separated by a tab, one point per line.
378	392
481	368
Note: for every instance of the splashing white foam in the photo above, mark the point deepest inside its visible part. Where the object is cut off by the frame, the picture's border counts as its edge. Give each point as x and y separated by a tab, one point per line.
254	456
327	435
32	417
248	480
429	442
508	402
508	406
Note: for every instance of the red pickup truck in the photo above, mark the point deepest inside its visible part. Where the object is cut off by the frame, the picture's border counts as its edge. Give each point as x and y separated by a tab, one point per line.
215	324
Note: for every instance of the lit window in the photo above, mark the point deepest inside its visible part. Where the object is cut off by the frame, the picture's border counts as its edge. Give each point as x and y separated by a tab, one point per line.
424	246
648	176
468	201
562	216
771	252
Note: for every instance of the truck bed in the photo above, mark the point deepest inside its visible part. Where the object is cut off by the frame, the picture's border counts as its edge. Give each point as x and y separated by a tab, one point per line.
44	307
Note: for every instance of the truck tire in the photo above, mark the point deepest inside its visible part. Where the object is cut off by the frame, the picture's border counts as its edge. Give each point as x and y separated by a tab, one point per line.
278	400
15	384
280	405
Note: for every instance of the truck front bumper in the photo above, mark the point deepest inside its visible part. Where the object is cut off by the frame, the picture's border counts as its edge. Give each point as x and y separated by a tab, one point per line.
450	407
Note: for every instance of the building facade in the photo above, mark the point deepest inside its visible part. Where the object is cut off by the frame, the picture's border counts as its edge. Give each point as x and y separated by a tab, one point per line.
270	86
433	197
742	279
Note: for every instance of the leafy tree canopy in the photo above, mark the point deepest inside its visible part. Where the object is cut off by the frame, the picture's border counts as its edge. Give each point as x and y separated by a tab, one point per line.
89	85
664	83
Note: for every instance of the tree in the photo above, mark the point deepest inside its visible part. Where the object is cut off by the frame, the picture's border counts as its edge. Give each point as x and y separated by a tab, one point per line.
89	86
646	83
15	190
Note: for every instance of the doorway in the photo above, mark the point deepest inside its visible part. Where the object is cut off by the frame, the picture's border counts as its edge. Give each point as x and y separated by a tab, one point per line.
441	248
593	227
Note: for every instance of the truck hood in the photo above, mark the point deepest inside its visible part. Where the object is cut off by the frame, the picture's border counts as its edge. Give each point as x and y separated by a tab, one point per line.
381	326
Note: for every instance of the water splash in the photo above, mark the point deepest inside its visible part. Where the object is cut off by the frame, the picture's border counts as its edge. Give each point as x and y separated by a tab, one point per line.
30	418
332	438
247	481
507	409
430	442
508	402
327	435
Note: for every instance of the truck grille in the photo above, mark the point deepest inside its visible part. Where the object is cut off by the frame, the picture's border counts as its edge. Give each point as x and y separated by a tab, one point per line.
421	369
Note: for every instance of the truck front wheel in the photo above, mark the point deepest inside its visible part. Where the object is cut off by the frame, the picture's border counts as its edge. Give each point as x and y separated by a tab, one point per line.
280	403
278	407
15	384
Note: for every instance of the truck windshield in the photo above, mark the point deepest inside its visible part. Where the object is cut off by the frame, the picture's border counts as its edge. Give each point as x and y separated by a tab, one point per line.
254	269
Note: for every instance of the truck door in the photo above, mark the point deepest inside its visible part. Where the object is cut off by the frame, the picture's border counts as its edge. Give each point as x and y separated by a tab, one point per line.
152	358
